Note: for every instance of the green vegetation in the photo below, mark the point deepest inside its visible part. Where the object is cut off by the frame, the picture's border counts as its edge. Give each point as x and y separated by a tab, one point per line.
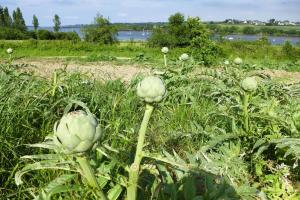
101	31
219	133
15	28
257	55
215	126
35	22
224	29
186	33
57	23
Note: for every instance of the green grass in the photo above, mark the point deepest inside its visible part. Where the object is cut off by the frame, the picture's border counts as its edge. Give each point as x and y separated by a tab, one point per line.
267	56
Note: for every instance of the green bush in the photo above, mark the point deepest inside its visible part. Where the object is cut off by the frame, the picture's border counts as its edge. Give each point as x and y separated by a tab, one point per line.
101	31
289	51
12	34
205	50
45	35
66	36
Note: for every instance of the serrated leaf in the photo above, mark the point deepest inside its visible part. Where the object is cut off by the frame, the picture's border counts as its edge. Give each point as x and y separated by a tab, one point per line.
41	165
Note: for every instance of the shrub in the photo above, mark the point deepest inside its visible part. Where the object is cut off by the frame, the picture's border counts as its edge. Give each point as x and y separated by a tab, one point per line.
205	50
66	36
45	35
101	31
12	34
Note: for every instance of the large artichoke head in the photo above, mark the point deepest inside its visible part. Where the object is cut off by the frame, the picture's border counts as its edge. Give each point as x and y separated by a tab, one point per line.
9	51
151	89
76	132
165	50
184	57
238	61
249	84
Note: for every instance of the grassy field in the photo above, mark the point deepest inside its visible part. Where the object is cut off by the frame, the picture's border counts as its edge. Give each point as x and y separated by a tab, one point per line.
257	54
211	137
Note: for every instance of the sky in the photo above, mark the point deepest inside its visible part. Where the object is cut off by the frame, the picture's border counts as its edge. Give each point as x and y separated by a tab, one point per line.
83	11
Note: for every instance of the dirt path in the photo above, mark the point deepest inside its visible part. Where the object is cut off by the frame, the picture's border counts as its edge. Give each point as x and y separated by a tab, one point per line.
284	76
98	70
109	70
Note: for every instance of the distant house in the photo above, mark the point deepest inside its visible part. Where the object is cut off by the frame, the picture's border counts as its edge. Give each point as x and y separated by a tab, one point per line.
258	23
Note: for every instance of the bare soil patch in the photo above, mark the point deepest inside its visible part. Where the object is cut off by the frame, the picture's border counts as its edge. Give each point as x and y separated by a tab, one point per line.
98	70
111	71
282	75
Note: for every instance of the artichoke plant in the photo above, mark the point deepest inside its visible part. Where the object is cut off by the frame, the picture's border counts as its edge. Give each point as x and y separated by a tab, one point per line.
9	51
238	61
165	50
249	84
76	132
184	57
151	89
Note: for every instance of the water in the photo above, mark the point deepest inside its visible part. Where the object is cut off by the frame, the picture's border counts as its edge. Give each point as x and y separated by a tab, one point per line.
275	40
144	35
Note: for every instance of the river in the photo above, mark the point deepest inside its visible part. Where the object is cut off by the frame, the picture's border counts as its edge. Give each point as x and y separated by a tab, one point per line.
144	35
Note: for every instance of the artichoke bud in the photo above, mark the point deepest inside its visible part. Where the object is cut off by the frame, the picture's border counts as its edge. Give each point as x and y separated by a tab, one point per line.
76	132
9	51
249	84
151	89
184	57
238	61
165	50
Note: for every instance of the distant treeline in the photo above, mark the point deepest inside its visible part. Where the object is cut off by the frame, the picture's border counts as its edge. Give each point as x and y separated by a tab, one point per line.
215	28
14	28
252	30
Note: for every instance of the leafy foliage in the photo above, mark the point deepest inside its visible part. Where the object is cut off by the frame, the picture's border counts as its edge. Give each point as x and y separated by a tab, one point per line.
101	31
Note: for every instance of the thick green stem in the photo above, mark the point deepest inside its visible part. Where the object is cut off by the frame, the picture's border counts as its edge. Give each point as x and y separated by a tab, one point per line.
10	59
165	59
245	111
54	86
88	173
135	167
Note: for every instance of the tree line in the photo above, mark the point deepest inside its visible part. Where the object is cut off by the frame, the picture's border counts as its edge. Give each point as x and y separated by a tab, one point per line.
13	27
251	30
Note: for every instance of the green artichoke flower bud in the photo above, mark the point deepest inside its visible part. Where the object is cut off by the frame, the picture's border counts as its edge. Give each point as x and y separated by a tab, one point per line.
226	62
249	84
184	57
238	61
9	51
77	132
165	50
151	89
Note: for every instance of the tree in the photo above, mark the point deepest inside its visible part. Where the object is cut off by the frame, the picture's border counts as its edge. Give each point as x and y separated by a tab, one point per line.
35	22
178	29
7	21
102	31
18	20
1	17
56	22
271	22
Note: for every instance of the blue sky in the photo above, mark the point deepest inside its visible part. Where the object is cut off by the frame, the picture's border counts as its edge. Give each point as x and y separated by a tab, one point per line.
83	11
